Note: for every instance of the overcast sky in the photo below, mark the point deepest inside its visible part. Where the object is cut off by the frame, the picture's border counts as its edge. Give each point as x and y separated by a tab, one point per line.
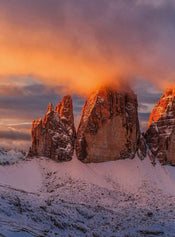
49	48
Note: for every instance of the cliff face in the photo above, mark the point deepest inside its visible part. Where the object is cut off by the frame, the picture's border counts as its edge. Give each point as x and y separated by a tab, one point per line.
109	126
54	136
160	135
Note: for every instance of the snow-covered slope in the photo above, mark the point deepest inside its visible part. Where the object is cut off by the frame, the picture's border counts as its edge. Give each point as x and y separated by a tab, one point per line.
40	197
24	176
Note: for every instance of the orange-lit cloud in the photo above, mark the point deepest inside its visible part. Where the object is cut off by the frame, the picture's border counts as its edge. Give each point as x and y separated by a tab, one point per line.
50	47
85	45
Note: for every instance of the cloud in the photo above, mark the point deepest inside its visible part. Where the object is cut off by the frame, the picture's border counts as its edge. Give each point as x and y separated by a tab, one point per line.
156	3
51	48
22	103
29	101
15	144
147	92
14	135
83	44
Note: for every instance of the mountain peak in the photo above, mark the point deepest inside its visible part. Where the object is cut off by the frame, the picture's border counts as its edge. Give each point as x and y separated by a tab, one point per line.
160	134
54	136
50	108
163	106
170	91
109	127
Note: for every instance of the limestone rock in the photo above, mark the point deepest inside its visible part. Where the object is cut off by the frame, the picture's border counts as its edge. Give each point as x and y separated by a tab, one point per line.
160	135
54	136
142	148
65	110
109	126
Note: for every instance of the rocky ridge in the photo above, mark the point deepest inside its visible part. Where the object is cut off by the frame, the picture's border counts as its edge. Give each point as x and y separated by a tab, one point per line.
108	130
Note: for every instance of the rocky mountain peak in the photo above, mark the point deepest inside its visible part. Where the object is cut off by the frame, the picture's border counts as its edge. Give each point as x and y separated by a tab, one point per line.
109	126
65	109
165	105
169	92
160	134
54	136
50	108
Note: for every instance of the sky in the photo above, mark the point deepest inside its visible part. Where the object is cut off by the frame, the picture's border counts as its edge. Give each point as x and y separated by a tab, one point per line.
49	48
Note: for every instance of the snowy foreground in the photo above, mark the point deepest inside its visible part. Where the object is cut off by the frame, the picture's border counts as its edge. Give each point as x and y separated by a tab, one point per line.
126	198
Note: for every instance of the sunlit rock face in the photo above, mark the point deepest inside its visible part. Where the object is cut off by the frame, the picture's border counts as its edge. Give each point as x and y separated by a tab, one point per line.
160	135
54	136
109	126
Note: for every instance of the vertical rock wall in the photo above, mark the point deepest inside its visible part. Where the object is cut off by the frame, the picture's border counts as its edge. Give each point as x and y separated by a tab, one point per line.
160	135
109	126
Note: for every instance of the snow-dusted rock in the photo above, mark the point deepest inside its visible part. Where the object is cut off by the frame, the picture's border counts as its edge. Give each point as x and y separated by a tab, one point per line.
10	156
54	136
160	135
142	149
109	126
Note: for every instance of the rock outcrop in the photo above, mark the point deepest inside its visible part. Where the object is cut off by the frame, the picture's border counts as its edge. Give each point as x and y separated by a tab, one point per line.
160	135
109	126
55	135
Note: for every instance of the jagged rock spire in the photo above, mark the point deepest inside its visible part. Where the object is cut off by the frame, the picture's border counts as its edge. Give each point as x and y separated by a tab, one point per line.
54	136
50	108
65	109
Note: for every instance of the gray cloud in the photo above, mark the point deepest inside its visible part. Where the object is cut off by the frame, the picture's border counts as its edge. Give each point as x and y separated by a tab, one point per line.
147	93
144	116
14	135
156	3
30	102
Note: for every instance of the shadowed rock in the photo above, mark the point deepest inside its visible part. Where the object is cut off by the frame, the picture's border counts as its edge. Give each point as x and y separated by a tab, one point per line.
54	136
109	126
